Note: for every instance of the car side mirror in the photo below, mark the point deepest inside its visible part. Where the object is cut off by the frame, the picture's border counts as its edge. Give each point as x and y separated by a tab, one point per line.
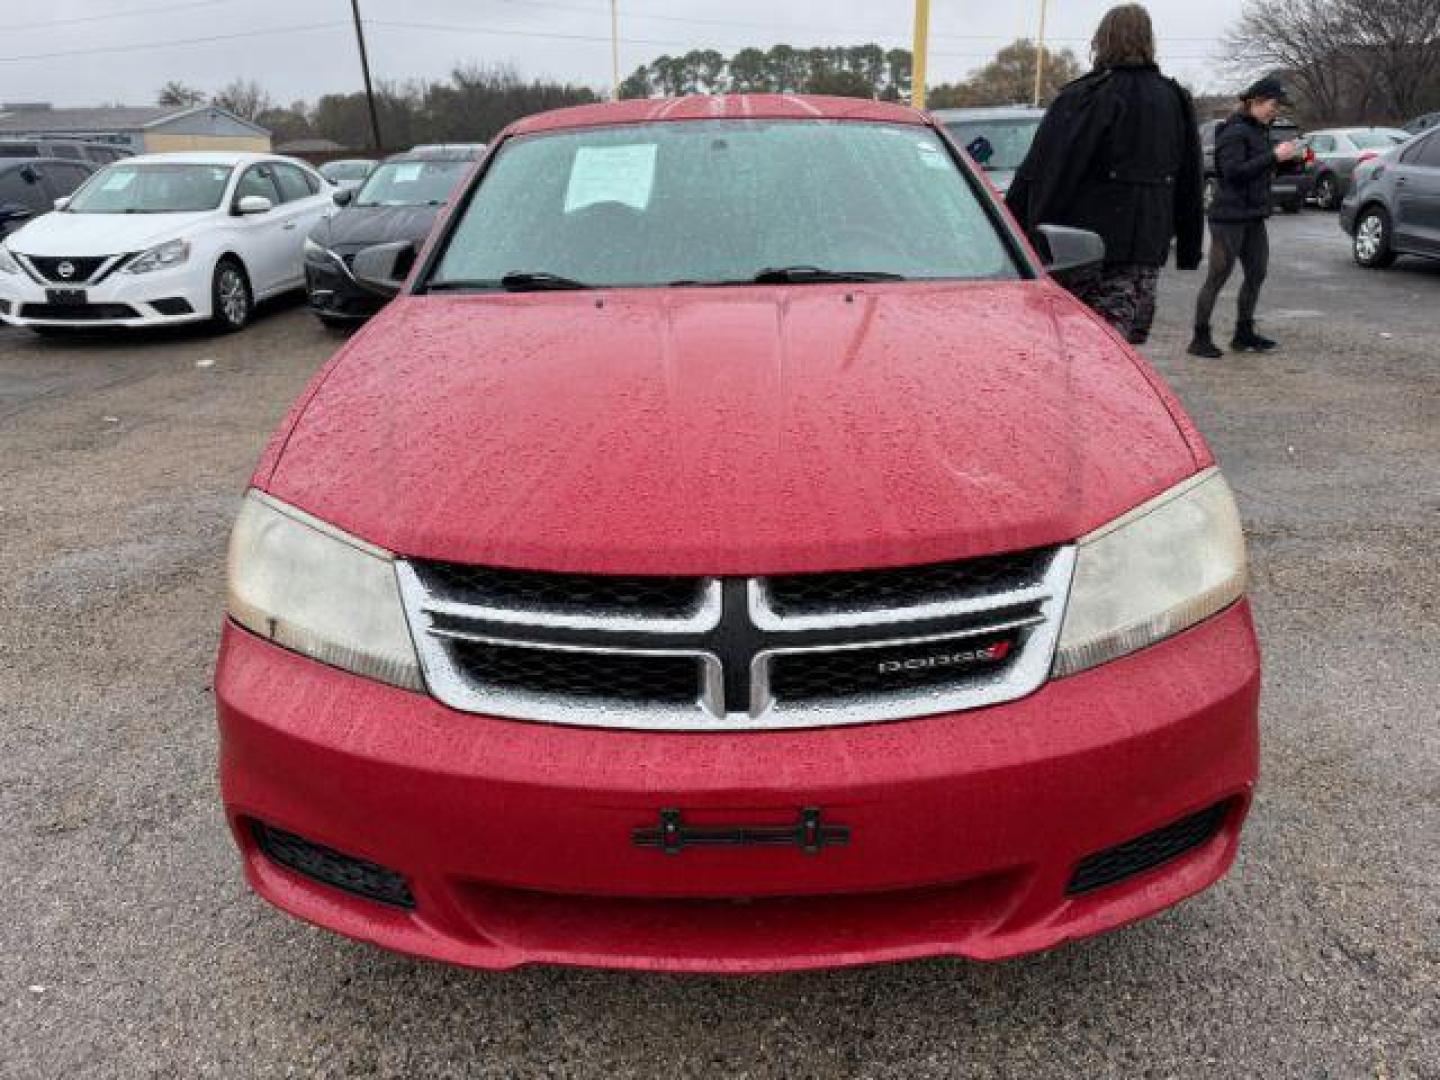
343	197
981	149
62	202
253	204
384	267
1067	250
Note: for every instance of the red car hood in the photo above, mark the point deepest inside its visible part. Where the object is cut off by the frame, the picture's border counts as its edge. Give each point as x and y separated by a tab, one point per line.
732	430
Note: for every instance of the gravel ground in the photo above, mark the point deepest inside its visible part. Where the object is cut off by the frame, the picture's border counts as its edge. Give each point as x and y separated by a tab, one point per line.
133	948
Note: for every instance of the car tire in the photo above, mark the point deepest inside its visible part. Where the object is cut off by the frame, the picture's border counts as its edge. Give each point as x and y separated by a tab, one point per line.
1327	193
1372	247
1291	206
232	303
330	322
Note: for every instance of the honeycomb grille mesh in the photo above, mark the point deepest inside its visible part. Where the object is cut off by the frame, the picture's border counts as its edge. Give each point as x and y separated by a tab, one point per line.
1146	852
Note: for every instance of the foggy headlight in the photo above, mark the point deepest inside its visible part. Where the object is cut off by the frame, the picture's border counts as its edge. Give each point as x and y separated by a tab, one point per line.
307	586
1163	567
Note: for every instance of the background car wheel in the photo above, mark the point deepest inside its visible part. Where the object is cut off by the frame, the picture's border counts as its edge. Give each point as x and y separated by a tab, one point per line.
330	322
1291	206
1372	239
1327	193
231	302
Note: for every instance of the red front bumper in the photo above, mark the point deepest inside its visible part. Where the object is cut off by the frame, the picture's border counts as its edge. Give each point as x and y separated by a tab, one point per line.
516	837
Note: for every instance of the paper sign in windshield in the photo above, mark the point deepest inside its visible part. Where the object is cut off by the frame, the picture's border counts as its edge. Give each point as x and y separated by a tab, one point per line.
623	174
408	174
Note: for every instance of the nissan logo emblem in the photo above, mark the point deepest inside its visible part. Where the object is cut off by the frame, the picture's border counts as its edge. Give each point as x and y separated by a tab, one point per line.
66	270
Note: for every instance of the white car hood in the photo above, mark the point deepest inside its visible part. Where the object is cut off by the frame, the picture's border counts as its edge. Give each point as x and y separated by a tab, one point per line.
100	234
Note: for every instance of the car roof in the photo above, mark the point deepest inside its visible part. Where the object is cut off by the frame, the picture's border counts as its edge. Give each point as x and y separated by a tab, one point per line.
989	112
351	161
452	152
718	107
1357	128
208	157
13	162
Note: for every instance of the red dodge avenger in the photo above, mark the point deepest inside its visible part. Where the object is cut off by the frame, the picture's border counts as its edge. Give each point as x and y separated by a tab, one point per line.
731	551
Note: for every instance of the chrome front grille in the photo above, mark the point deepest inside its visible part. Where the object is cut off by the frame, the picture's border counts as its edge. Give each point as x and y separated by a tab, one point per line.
690	653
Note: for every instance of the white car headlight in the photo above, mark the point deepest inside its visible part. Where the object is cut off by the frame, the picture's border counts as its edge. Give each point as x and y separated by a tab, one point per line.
161	257
8	265
1164	566
307	586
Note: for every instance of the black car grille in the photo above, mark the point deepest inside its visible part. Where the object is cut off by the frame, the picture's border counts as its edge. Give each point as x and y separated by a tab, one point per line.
656	597
82	268
591	675
799	594
77	312
331	867
698	653
818	676
1147	852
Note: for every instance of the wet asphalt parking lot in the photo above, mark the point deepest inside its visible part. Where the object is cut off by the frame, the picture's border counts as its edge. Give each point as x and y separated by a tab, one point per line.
130	946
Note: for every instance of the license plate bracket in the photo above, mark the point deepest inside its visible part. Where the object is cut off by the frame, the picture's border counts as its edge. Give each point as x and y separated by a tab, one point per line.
67	297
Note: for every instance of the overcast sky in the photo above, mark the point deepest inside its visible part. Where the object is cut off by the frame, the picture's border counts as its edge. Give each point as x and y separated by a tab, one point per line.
87	52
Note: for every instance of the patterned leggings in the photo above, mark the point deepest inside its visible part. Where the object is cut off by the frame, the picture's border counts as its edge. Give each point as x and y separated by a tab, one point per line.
1123	294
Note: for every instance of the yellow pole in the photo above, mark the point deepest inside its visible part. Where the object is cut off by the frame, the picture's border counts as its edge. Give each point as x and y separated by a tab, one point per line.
1040	55
615	50
922	46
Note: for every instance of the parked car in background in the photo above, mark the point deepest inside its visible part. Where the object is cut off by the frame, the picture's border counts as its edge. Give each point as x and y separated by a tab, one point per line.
997	138
1423	123
590	611
1291	185
348	172
1394	206
164	238
68	149
398	201
30	186
1336	153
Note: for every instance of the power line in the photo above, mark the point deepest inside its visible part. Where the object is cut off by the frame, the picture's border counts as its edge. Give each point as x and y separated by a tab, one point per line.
631	13
152	45
455	28
118	15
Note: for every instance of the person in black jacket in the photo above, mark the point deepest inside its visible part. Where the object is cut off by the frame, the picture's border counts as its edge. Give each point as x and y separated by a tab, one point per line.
1245	162
1119	153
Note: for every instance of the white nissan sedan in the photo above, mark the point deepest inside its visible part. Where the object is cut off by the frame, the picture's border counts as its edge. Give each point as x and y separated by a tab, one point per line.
163	239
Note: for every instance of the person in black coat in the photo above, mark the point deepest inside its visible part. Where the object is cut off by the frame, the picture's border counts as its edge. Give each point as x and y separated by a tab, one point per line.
1119	153
1245	162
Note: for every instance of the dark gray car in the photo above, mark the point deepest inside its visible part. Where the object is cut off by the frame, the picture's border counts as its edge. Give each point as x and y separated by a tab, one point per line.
998	138
1339	150
29	187
1394	207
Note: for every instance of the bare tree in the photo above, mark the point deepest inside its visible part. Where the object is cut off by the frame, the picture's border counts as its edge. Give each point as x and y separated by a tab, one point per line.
1347	59
245	98
178	93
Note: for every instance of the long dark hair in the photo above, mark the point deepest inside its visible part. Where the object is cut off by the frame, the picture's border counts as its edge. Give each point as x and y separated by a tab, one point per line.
1124	38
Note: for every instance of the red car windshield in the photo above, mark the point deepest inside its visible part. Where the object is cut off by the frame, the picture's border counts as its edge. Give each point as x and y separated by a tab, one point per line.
709	202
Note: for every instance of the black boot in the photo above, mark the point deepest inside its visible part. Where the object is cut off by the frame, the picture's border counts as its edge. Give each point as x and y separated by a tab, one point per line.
1203	345
1246	338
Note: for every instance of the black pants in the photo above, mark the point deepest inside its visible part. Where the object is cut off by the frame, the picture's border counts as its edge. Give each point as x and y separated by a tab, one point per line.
1247	242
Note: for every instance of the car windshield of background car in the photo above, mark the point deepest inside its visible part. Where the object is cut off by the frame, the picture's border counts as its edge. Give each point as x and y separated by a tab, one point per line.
1010	139
411	183
152	189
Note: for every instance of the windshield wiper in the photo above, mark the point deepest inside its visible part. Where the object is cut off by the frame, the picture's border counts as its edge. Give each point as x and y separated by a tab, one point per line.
537	281
805	275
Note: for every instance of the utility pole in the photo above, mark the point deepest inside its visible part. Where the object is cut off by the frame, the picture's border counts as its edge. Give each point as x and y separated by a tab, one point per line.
365	70
615	50
1040	56
921	52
